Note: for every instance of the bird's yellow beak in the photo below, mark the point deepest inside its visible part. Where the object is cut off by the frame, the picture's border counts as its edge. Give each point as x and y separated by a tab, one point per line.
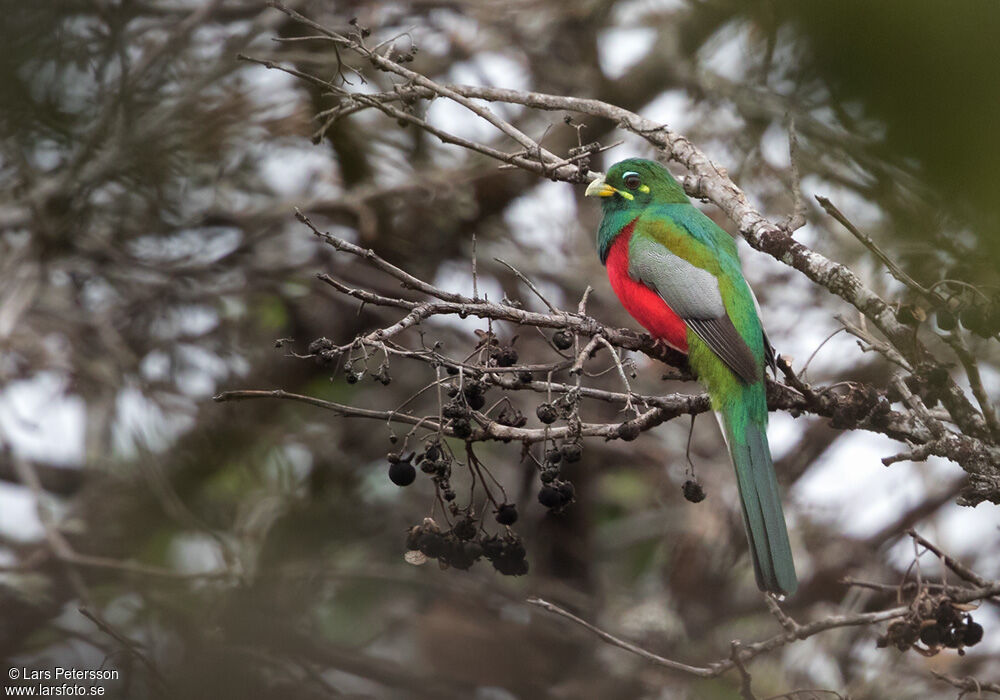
599	188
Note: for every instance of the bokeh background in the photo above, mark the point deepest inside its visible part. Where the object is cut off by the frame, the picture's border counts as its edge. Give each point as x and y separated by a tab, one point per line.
149	259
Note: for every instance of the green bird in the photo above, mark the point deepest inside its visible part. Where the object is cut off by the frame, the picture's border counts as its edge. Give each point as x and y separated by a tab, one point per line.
678	274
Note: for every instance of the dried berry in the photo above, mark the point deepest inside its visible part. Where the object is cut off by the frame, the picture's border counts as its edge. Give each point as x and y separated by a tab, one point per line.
507	555
402	473
976	319
549	475
992	324
511	417
454	409
320	345
524	376
567	492
930	635
628	431
571	451
973	634
492	546
946	321
475	394
506	357
547	413
550	497
460	427
553	456
509	566
462	555
465	529
562	340
507	514
693	491
432	544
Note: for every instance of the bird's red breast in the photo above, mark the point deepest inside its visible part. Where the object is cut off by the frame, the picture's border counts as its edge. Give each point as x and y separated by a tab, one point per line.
646	306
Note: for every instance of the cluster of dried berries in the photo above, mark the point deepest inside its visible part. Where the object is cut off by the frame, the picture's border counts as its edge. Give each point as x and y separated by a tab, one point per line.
464	544
326	354
494	352
502	355
557	493
511	417
471	396
971	307
937	624
979	318
929	382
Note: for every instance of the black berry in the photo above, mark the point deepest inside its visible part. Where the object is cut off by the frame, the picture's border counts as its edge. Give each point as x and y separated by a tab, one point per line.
465	529
571	451
973	634
946	321
562	340
506	357
547	413
507	514
550	497
461	428
931	635
567	492
402	473
693	491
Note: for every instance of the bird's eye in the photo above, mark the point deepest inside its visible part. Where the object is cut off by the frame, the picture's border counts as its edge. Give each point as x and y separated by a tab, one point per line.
631	180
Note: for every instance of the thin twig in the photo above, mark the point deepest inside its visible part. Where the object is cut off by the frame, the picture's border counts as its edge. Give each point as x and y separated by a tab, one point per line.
702	672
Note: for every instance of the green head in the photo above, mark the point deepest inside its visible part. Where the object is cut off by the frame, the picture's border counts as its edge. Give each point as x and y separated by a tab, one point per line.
633	184
628	188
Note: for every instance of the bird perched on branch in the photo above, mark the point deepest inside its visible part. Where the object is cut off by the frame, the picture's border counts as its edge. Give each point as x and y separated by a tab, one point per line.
678	274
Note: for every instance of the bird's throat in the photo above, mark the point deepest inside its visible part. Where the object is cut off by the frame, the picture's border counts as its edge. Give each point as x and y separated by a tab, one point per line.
616	222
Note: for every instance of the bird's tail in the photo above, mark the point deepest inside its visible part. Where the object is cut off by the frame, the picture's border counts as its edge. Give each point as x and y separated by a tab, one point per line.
759	495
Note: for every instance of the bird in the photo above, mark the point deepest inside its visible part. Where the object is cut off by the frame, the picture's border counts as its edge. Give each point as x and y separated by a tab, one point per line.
679	275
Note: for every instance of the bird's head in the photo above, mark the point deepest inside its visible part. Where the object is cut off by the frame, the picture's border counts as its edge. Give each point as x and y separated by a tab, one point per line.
635	183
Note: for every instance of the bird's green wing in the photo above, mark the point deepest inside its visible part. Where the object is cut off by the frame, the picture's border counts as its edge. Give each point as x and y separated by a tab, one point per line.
693	293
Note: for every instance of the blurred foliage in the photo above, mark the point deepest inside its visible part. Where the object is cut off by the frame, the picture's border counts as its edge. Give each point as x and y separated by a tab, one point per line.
919	78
